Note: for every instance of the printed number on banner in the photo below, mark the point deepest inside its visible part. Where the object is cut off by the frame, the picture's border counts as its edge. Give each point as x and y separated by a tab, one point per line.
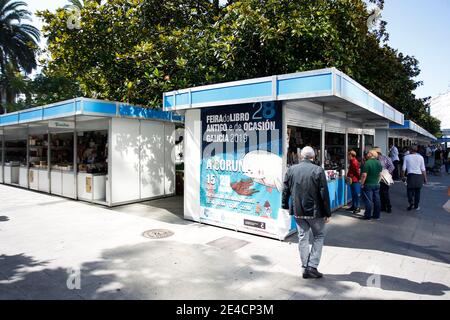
211	179
267	108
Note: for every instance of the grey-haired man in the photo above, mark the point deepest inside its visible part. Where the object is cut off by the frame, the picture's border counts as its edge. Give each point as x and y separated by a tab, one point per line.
305	194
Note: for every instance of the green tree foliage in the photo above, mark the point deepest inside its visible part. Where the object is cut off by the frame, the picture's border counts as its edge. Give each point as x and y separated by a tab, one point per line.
18	46
46	89
133	50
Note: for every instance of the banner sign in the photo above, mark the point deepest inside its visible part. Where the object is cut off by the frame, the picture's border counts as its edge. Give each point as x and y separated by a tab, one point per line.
241	167
61	124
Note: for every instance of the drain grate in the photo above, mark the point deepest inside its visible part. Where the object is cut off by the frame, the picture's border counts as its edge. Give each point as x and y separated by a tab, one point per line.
157	233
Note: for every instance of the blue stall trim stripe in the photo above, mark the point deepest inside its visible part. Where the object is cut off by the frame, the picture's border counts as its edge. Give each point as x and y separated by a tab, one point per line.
246	91
312	83
99	107
30	115
56	110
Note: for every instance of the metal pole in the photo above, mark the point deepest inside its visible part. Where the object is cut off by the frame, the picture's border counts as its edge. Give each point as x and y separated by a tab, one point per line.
75	157
49	163
346	167
363	145
3	156
322	146
110	164
28	157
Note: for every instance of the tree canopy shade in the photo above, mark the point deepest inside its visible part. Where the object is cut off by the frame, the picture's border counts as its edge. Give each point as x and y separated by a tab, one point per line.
18	44
133	50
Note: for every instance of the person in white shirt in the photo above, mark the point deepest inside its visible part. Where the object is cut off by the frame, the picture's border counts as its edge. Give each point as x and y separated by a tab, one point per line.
428	154
393	154
414	165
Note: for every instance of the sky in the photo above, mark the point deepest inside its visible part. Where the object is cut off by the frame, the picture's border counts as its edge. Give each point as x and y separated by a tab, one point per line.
419	28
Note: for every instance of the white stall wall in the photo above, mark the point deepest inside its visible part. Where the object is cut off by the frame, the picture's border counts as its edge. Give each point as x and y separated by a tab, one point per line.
169	156
192	147
125	151
381	140
152	159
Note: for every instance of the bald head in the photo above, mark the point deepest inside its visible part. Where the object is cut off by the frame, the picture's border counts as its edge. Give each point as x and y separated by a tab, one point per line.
308	153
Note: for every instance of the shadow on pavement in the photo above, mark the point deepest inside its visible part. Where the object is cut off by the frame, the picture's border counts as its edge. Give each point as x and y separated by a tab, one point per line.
150	270
416	234
160	270
392	283
169	210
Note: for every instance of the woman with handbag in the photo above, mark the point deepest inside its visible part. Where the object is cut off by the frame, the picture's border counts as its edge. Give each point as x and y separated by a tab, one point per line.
353	176
386	180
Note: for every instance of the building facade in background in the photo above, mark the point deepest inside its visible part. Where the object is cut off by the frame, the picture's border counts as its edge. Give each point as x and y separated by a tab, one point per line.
440	108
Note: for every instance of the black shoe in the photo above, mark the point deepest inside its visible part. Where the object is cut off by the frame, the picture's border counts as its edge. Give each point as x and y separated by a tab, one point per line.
410	208
312	273
358	210
389	210
364	218
350	209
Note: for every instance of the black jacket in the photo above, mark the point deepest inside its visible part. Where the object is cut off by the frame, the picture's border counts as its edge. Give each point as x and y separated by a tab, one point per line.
306	185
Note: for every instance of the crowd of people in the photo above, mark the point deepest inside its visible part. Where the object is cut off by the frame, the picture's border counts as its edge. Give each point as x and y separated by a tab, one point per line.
306	197
371	178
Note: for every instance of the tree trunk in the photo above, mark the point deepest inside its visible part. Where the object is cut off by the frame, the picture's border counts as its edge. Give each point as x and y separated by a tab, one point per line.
3	100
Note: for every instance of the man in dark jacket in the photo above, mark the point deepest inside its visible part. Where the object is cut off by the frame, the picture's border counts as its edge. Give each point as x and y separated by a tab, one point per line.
306	196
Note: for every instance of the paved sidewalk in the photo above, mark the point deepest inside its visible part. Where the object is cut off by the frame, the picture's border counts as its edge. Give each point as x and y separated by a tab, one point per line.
42	236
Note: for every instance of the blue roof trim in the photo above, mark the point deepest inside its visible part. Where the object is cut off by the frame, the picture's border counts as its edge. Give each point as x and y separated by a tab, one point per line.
303	85
146	113
99	107
9	119
169	101
80	106
33	115
410	125
55	111
245	91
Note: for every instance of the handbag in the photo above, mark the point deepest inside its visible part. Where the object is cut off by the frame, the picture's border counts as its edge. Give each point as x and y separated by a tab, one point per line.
386	177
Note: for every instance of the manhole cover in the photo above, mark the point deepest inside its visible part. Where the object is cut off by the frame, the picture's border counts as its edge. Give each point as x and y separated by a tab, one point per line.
157	233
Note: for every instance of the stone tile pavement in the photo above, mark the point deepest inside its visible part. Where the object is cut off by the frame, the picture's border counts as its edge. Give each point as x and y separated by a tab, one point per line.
45	239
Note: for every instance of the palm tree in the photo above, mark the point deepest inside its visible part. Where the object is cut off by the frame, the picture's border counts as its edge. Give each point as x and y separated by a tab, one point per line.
74	4
78	4
18	43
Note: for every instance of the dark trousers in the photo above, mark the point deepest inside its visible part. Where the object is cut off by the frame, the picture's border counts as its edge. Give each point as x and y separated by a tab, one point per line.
384	197
395	174
447	166
414	197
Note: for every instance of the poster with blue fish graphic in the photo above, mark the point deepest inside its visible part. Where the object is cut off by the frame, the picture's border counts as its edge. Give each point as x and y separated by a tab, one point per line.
241	168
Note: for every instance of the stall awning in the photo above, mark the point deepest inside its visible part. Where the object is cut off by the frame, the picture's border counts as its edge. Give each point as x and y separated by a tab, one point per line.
410	126
330	88
443	140
88	107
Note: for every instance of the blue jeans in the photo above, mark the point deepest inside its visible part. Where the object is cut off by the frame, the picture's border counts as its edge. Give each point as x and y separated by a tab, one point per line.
304	226
372	195
355	188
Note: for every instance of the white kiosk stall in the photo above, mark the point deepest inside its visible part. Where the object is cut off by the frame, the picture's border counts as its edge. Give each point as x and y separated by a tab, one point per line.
241	136
103	152
402	136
